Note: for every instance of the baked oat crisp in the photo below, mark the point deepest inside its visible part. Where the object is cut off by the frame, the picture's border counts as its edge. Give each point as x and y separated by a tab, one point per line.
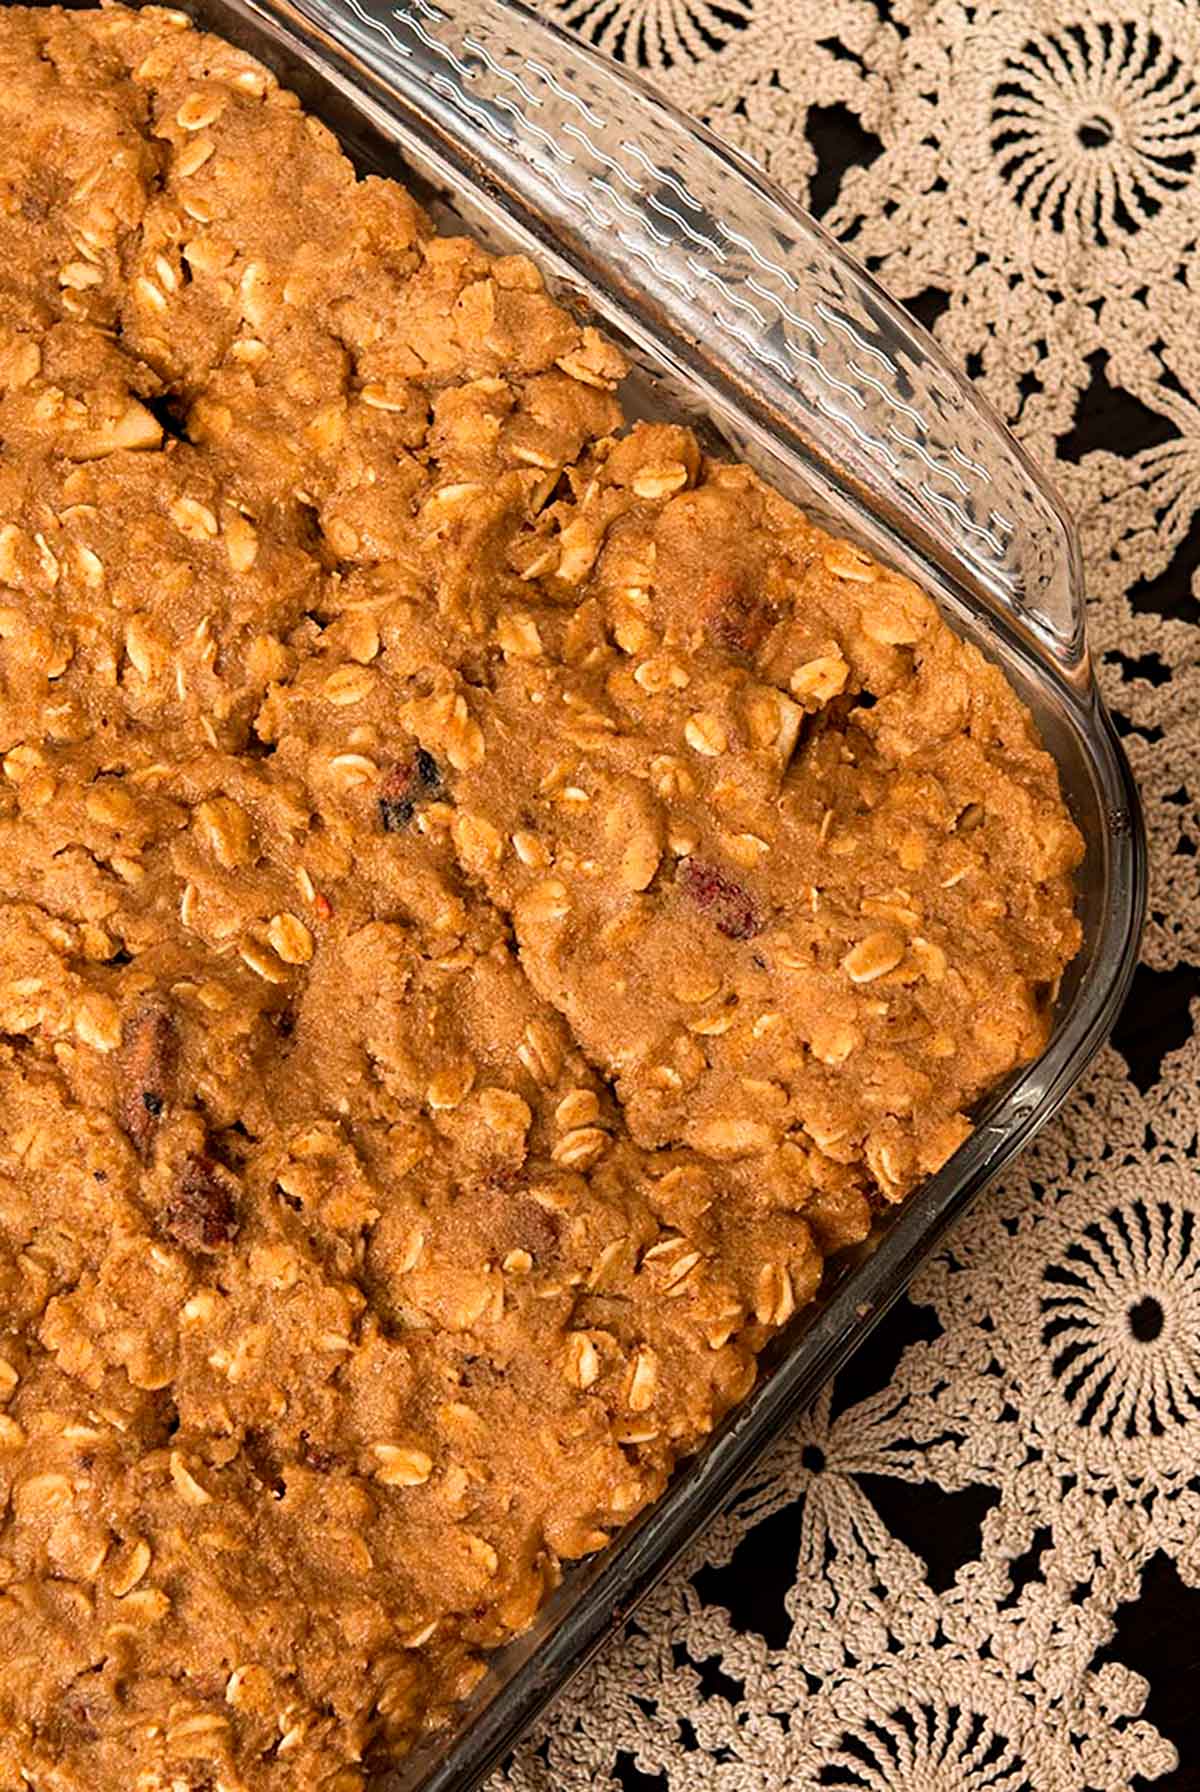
490	899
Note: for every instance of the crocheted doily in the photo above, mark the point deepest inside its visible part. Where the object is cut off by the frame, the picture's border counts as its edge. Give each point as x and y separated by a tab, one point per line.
1026	175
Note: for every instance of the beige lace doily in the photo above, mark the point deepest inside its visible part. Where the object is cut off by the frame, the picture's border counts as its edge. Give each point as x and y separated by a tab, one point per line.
1026	173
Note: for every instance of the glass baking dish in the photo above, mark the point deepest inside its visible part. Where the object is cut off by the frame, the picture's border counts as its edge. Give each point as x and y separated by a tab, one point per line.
744	318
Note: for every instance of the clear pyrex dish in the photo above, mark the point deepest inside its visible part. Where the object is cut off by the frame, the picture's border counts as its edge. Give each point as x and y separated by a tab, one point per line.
744	318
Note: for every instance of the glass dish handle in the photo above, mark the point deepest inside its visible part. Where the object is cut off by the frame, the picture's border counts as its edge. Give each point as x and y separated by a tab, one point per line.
712	268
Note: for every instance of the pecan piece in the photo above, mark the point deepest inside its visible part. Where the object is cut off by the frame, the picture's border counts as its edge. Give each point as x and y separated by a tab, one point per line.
731	908
146	1070
409	780
201	1211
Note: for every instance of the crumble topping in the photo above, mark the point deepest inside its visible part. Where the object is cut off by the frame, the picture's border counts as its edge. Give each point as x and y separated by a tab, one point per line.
489	899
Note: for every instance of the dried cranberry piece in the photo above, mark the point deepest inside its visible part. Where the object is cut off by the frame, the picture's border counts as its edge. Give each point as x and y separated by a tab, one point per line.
738	620
730	907
478	1372
201	1212
263	1459
315	1456
409	780
79	1709
146	1068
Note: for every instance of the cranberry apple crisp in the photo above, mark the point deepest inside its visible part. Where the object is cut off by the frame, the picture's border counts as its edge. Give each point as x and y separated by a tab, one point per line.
489	899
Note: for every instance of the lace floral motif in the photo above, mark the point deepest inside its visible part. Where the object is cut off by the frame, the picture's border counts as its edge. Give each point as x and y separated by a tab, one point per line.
658	32
1094	127
1027	172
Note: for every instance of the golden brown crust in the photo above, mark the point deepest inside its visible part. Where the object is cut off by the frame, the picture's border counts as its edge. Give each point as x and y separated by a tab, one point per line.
488	898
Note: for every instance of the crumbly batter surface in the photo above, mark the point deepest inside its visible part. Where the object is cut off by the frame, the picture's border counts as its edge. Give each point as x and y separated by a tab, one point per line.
489	900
